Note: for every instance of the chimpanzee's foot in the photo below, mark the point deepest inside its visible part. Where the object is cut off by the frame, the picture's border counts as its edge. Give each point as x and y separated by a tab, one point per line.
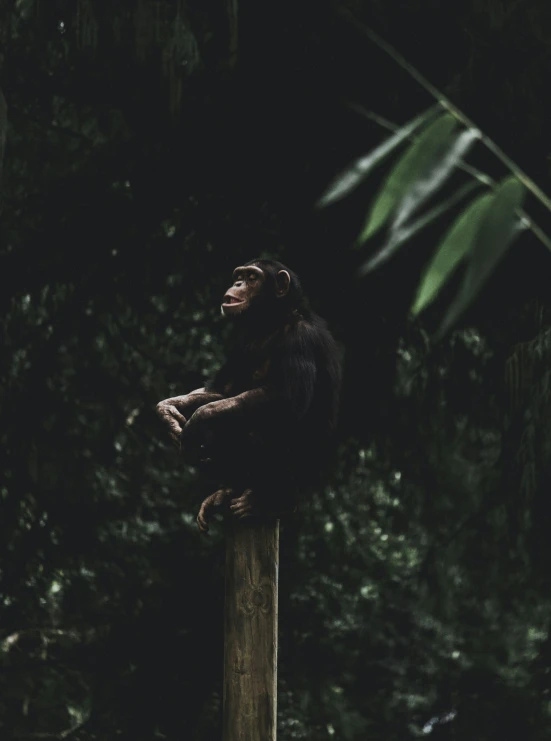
244	506
210	505
251	505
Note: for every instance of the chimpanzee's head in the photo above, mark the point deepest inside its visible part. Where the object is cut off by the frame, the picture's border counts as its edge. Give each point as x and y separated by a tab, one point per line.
261	287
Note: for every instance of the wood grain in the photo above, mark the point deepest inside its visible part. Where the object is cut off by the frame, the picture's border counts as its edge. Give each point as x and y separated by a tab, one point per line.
250	631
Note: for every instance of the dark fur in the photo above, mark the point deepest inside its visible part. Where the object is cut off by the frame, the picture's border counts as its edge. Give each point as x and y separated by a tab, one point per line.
291	350
276	397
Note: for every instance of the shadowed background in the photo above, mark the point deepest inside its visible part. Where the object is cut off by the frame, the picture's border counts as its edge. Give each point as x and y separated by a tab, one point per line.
152	146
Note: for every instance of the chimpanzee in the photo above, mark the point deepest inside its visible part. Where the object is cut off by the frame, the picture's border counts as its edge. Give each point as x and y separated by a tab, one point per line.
262	426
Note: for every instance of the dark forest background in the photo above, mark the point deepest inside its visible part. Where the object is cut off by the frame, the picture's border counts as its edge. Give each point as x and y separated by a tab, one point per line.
151	147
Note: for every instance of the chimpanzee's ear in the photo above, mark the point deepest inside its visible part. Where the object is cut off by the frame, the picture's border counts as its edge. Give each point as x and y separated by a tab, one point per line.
283	283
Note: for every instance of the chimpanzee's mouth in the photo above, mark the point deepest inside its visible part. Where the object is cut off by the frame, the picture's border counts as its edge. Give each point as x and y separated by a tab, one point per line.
231	301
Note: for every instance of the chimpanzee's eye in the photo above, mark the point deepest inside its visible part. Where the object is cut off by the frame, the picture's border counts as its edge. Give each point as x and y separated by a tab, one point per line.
252	276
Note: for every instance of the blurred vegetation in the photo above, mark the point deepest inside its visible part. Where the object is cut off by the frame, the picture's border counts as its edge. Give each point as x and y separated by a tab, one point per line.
153	145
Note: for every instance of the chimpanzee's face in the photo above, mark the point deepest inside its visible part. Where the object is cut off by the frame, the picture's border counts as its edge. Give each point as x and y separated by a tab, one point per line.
248	285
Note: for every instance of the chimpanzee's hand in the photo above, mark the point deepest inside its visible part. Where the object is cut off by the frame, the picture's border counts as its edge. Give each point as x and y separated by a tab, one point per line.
250	505
173	419
199	418
198	429
215	502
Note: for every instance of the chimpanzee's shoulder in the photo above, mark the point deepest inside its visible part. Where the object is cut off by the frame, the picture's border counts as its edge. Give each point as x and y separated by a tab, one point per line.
315	329
308	334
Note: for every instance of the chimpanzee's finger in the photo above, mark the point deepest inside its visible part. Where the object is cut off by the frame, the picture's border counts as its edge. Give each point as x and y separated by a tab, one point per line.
201	521
177	415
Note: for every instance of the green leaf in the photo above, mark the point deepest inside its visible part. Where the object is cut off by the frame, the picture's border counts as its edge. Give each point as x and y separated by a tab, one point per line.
397	237
437	172
454	246
499	227
418	158
355	173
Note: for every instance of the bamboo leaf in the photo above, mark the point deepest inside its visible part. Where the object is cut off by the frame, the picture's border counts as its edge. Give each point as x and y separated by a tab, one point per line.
355	173
418	158
438	171
401	235
497	231
454	246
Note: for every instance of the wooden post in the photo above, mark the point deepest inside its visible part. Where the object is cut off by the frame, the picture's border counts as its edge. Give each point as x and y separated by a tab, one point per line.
250	631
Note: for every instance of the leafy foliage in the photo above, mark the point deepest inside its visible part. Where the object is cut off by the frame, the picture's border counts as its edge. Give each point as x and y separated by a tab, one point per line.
455	245
484	229
414	588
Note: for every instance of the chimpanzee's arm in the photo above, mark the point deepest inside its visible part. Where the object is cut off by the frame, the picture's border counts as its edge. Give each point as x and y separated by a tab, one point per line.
188	403
290	389
248	404
176	411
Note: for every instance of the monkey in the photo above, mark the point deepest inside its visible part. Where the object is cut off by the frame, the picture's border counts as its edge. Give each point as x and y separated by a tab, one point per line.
262	424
